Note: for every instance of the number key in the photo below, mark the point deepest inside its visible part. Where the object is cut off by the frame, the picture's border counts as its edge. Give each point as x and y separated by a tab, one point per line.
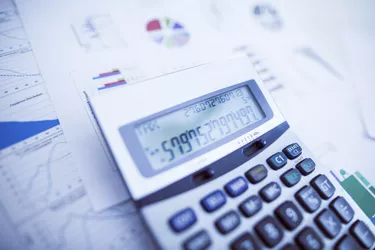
269	231
309	199
289	215
308	239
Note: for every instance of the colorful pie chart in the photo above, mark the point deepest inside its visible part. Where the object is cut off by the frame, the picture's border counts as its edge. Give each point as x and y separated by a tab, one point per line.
168	32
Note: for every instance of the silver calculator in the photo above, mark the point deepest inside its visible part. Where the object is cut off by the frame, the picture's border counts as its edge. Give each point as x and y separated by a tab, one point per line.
211	163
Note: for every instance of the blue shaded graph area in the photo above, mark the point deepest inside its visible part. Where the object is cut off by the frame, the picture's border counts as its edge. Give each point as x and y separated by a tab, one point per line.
14	132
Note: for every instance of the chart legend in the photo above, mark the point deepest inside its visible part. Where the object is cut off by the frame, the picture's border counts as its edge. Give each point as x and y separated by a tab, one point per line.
168	32
109	79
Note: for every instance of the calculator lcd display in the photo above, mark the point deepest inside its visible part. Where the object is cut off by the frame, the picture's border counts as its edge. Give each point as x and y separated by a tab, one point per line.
176	135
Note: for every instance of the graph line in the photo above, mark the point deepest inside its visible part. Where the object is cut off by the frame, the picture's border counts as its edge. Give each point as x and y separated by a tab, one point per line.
17	73
49	174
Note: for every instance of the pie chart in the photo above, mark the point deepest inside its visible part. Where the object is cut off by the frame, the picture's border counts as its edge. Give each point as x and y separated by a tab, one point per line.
168	32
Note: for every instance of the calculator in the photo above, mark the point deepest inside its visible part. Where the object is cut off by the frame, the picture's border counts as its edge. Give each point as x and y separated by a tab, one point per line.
211	163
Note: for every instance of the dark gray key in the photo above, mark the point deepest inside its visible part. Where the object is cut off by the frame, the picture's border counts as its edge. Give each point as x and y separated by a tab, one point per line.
342	209
306	167
289	215
324	186
363	234
308	239
347	242
309	199
228	222
198	241
251	206
289	247
256	174
291	177
328	223
270	192
277	161
244	242
269	231
292	151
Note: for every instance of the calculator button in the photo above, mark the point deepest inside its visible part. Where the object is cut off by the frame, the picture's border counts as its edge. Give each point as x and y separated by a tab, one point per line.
363	234
328	223
324	186
289	247
347	242
183	220
269	231
236	186
309	199
213	201
342	209
308	239
256	174
306	167
292	151
228	222
198	241
270	192
244	242
289	215
291	177
277	161
251	206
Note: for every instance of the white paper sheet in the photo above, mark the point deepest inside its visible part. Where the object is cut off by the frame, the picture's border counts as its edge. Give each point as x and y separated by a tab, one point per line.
305	83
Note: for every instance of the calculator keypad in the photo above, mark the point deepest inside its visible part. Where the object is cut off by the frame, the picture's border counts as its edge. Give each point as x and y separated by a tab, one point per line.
306	218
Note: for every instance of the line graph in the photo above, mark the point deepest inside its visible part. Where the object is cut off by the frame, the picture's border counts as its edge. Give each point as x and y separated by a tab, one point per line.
18	72
31	182
12	34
